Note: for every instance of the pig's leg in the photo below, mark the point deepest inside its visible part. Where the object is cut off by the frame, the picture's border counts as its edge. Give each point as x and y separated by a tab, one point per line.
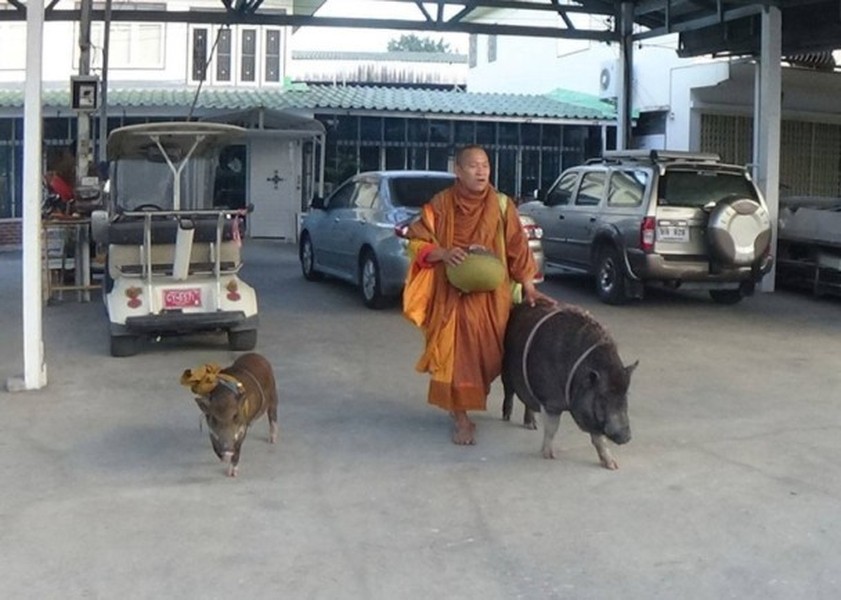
233	466
529	421
605	456
508	398
550	428
272	412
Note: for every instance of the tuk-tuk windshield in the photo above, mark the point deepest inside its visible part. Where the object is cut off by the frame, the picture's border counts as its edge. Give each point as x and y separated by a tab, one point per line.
138	182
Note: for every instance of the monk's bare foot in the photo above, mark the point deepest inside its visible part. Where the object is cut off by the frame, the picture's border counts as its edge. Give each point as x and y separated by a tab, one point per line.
464	430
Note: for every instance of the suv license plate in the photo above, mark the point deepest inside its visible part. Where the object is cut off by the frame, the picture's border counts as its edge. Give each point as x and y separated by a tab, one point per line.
672	233
182	298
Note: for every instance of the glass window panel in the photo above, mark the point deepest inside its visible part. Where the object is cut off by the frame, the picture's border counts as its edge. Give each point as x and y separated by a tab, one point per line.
465	133
418	130
438	159
530	134
509	134
273	55
366	194
348	129
439	131
395	158
592	189
147	49
248	58
223	55
506	172
530	176
627	188
416	158
371	129
369	158
395	130
550	168
551	135
199	53
485	133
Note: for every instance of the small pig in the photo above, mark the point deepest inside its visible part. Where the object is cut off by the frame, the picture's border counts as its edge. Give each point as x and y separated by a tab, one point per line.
231	398
560	360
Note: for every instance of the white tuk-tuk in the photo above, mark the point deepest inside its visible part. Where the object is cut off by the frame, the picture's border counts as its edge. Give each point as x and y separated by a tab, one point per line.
173	259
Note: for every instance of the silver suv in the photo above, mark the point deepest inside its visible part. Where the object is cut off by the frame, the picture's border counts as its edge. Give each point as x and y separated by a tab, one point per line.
640	217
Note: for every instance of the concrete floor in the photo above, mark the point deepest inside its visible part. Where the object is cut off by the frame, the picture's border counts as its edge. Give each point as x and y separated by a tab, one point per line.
729	489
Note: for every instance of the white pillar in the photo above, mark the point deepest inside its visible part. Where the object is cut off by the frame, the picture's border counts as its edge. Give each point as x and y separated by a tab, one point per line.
35	370
767	123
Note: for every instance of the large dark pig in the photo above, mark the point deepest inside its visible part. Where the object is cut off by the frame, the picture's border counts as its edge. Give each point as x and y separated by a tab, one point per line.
561	359
231	398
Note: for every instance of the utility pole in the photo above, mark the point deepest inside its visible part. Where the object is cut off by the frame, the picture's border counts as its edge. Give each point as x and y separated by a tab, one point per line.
83	142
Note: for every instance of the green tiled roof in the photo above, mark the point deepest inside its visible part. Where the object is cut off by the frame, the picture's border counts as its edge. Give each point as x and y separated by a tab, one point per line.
556	105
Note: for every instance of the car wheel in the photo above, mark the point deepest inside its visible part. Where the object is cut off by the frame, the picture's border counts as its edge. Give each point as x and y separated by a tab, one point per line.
307	256
726	296
242	340
124	345
610	277
369	281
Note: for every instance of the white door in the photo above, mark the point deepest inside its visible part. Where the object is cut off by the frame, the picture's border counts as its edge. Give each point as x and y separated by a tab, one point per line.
275	188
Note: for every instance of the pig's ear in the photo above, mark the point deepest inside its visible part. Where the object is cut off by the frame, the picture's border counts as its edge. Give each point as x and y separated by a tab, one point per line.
631	368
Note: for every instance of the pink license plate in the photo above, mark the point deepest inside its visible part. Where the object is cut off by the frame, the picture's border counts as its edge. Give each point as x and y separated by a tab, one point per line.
182	298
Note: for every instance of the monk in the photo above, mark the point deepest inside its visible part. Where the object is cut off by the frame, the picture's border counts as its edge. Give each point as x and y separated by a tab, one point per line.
464	332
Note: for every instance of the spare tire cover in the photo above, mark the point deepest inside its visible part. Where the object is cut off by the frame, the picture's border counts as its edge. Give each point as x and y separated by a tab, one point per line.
738	230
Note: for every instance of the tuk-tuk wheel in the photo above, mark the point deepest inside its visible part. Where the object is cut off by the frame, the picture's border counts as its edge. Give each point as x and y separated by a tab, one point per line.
242	340
124	345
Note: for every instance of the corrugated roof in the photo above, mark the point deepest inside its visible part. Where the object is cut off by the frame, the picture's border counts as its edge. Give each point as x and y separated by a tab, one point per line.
557	105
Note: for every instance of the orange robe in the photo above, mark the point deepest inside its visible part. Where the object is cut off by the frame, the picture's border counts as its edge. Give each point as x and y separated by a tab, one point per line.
464	332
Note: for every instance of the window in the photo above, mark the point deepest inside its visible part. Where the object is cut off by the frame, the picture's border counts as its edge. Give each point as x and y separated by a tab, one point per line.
248	55
473	50
13	36
367	193
223	55
342	197
561	193
272	55
199	54
591	190
130	46
491	48
626	188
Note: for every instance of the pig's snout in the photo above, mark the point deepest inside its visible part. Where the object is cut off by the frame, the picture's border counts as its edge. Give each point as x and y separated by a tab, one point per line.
617	429
226	457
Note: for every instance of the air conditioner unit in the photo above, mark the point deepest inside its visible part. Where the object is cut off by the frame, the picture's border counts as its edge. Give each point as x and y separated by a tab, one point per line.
609	80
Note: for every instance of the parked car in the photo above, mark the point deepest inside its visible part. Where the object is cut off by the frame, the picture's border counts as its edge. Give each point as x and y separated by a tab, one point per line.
353	234
634	218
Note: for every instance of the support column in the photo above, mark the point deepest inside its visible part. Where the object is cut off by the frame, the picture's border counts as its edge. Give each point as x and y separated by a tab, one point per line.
767	123
624	100
34	367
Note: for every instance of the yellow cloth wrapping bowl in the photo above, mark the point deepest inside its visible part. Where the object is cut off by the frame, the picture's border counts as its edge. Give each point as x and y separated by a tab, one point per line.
481	271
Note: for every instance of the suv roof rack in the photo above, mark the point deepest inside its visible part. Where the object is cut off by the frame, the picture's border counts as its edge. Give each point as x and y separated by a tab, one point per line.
660	156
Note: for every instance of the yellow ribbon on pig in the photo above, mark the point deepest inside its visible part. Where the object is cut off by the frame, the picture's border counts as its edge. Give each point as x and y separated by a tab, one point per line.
205	378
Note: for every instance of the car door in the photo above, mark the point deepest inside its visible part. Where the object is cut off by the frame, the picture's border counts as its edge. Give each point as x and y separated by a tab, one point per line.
351	226
582	215
327	244
550	215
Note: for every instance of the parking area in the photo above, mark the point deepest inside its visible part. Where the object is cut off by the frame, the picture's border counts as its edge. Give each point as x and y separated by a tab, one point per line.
729	488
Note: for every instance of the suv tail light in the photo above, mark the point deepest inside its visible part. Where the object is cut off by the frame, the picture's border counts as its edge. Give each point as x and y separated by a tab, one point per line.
533	232
647	233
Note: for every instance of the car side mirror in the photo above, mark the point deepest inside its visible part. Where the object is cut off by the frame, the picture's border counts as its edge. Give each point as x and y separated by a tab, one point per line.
317	202
539	194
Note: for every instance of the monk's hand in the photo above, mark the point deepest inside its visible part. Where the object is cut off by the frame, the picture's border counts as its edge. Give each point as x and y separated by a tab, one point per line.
448	256
533	297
